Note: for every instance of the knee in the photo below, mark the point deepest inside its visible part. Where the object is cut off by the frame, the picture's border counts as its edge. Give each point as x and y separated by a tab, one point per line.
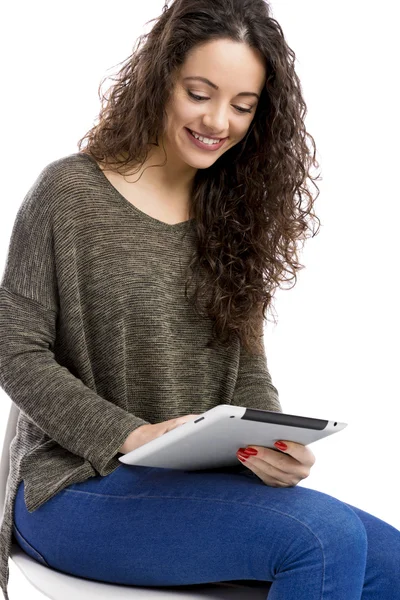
344	531
328	532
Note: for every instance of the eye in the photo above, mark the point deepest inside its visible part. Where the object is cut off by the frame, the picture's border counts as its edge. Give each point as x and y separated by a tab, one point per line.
199	98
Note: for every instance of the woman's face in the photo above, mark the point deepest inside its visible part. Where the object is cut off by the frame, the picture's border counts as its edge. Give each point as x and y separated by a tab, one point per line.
223	108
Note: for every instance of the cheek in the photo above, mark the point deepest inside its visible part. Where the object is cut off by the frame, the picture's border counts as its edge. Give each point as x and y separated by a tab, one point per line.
183	112
242	132
190	115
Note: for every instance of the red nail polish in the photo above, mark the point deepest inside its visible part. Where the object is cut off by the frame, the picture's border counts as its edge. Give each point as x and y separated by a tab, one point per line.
251	451
280	445
242	455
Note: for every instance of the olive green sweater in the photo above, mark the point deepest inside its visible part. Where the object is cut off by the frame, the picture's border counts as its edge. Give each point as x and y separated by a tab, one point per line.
97	337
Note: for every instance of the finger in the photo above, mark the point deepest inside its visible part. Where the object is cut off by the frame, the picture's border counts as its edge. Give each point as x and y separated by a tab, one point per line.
299	452
281	461
286	474
265	477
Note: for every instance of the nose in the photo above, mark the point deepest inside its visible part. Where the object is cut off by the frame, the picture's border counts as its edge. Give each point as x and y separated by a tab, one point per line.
216	122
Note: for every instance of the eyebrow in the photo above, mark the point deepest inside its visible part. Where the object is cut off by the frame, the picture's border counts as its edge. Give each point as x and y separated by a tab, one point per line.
213	85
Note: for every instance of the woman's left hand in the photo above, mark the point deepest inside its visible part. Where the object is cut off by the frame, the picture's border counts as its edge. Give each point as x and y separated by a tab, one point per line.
281	468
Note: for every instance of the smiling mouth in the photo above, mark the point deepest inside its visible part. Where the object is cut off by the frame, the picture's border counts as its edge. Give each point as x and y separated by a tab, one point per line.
217	140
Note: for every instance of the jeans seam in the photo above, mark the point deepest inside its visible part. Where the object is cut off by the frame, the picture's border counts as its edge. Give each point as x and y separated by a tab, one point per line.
266	508
25	541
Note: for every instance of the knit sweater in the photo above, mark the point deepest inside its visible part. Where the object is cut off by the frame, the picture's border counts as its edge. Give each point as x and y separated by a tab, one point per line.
97	337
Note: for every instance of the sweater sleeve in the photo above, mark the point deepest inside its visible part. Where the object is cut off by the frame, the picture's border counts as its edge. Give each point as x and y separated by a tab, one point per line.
254	387
59	403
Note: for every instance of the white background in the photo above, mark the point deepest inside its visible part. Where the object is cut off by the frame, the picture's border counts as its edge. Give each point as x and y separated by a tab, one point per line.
334	353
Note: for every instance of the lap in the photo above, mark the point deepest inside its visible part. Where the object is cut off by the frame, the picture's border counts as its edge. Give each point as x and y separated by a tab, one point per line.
224	486
138	511
146	496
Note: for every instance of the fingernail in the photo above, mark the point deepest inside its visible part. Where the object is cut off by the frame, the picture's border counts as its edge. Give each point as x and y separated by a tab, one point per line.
252	451
281	445
248	451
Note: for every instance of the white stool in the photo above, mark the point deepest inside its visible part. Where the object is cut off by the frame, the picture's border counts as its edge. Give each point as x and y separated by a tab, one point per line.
61	586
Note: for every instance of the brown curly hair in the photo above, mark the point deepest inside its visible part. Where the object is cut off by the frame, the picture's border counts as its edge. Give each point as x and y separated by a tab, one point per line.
252	205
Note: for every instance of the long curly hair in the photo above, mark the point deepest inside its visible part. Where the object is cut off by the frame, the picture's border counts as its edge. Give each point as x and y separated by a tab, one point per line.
252	206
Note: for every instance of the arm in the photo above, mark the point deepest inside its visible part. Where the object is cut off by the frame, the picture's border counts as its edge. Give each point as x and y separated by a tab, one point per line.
59	403
254	387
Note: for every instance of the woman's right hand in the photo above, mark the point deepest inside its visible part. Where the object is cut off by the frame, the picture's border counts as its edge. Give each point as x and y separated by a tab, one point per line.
145	433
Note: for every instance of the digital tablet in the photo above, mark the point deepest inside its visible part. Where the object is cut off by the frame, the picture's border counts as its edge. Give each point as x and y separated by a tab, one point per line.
212	439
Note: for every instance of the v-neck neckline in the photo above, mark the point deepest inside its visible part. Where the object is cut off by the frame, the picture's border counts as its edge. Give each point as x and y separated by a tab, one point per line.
125	202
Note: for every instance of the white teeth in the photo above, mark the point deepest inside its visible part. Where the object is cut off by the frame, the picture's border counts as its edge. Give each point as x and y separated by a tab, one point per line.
204	139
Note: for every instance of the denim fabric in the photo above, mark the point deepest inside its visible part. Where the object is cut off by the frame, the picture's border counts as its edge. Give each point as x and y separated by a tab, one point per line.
150	526
26	546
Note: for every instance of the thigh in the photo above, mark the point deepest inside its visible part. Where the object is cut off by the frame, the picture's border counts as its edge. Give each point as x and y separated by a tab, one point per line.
152	526
26	525
25	544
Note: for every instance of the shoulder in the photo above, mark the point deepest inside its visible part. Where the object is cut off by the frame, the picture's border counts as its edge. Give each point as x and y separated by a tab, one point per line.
70	170
59	183
77	162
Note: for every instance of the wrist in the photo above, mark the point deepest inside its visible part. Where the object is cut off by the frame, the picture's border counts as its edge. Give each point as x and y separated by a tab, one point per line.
132	440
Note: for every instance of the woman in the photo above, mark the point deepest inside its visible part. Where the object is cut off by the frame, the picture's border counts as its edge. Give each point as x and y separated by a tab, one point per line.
199	157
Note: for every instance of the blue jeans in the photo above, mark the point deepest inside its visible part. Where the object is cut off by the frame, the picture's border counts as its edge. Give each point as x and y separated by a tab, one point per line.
150	526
